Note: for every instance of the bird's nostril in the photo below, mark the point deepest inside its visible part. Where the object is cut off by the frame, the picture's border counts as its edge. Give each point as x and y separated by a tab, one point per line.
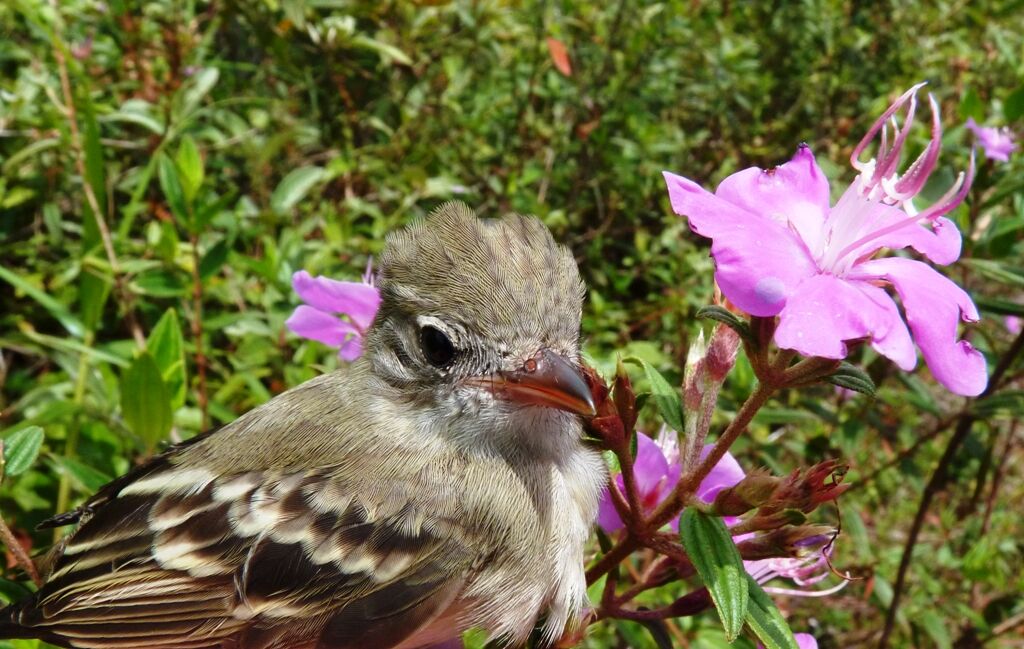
530	365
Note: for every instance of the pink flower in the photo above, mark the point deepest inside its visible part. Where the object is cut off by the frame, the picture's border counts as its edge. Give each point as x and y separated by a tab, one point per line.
1013	324
657	470
803	640
997	142
325	300
781	250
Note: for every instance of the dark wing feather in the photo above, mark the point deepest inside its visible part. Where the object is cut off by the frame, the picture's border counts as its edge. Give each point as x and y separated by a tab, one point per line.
256	560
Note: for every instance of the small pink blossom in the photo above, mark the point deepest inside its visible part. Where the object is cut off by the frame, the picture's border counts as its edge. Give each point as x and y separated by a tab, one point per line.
803	640
997	142
781	250
1013	324
656	470
327	299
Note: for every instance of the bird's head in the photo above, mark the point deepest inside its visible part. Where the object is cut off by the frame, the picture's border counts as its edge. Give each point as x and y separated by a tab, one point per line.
480	319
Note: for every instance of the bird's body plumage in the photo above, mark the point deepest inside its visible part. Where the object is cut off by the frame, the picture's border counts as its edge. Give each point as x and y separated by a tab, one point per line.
389	504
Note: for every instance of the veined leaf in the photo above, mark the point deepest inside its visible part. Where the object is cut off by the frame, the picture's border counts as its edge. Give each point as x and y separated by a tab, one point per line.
765	620
190	168
21	449
667	398
145	400
170	183
718	562
294	187
167	346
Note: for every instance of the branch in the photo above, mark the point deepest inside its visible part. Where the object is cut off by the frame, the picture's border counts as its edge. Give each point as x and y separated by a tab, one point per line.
938	481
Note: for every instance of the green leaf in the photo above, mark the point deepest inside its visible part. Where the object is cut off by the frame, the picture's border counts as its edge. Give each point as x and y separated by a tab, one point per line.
84	476
852	377
145	400
972	106
1013	105
170	183
72	324
93	291
167	346
726	317
190	168
717	560
95	173
999	306
387	52
765	620
294	187
201	84
213	260
670	404
21	449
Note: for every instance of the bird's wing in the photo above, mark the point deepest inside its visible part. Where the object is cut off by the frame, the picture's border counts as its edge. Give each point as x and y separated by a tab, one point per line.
258	559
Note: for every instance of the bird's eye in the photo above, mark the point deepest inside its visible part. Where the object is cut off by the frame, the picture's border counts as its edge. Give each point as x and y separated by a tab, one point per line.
437	347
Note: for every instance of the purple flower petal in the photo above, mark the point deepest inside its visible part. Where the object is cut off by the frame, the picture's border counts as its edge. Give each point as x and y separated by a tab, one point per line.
650	467
806	641
759	262
940	243
934	306
727	473
998	143
357	300
607	516
323	327
351	349
795	193
827	311
894	343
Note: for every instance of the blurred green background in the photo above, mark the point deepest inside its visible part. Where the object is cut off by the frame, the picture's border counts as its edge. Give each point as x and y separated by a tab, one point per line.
230	143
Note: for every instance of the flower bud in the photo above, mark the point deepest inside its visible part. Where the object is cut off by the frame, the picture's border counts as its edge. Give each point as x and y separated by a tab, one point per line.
789	541
749	493
722	350
695	374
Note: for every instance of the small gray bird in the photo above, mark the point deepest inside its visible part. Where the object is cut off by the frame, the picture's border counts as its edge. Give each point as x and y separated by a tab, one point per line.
437	484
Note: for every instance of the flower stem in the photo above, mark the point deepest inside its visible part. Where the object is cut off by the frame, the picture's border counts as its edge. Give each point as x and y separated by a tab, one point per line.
675	502
689	483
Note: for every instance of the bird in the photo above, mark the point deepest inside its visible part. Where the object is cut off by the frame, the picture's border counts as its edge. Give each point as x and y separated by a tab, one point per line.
441	482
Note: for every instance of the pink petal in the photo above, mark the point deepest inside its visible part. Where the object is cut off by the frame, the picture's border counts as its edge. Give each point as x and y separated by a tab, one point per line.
794	193
859	227
827	311
759	262
650	468
352	348
803	641
316	325
806	641
726	473
940	242
894	343
357	300
607	516
934	306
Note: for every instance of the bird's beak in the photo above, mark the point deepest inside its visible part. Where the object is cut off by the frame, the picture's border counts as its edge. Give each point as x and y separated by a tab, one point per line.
547	379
